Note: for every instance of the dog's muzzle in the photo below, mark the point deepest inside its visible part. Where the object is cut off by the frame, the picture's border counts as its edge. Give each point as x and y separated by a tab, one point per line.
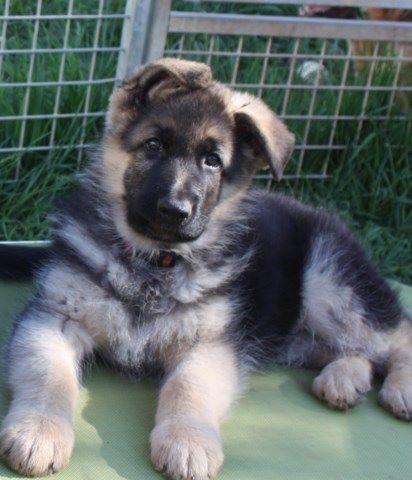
173	211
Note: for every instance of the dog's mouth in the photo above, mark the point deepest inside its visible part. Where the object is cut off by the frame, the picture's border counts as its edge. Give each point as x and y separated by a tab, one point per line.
166	233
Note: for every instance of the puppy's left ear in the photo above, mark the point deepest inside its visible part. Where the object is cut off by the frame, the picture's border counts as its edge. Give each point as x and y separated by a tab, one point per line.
263	137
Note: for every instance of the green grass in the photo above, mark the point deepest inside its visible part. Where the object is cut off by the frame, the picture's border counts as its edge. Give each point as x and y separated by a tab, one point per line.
369	183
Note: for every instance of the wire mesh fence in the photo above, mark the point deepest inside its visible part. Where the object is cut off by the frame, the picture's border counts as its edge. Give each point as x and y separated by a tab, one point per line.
342	86
57	64
311	84
331	82
331	90
58	60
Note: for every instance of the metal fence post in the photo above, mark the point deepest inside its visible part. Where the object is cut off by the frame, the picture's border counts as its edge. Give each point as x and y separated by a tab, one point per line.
144	34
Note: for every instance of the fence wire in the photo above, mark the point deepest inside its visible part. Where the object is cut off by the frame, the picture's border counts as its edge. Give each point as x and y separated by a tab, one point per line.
58	62
331	90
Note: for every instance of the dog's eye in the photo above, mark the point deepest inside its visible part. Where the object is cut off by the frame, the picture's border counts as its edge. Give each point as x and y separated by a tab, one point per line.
153	145
213	160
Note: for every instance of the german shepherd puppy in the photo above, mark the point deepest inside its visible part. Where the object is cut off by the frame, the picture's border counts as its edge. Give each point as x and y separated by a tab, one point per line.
166	262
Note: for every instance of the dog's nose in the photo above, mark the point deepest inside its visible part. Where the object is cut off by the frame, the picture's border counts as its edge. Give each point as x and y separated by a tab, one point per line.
175	210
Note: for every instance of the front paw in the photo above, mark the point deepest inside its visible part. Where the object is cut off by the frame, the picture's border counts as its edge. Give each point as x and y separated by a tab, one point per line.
186	450
36	444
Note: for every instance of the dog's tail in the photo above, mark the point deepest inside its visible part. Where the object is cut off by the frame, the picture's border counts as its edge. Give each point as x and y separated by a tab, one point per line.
19	261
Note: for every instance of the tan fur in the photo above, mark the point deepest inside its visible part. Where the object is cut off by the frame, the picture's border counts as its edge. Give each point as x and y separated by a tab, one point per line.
344	382
279	140
177	75
37	434
332	311
82	318
333	315
193	401
35	444
104	321
115	162
95	305
396	391
390	14
186	75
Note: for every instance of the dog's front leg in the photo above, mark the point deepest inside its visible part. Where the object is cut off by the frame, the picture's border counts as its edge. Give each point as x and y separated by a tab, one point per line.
193	400
44	353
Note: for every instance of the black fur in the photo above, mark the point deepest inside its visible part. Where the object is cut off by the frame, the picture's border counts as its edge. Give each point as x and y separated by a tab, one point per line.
18	262
283	231
276	233
256	278
150	179
279	231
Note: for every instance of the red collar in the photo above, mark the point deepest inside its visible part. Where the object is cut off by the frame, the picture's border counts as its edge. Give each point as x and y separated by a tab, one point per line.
166	260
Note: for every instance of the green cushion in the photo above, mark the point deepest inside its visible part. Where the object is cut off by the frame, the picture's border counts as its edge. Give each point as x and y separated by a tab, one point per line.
276	431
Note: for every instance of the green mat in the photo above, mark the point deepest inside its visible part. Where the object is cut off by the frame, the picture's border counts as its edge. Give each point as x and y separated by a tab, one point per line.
277	431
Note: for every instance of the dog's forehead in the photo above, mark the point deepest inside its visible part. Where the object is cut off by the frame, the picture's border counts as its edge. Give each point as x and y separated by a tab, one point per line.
195	117
199	110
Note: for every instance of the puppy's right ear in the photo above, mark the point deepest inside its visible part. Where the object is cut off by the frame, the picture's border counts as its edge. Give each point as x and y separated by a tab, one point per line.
154	83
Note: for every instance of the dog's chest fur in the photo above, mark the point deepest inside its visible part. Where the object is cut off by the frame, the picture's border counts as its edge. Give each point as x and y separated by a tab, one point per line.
137	313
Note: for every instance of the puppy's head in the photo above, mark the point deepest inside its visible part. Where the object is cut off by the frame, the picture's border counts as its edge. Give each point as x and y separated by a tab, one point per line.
178	145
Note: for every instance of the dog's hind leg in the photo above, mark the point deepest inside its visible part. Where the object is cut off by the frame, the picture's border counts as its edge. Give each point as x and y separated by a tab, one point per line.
355	317
336	319
44	355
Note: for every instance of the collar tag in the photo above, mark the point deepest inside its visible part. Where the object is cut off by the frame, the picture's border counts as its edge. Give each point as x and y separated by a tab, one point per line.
167	260
164	260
